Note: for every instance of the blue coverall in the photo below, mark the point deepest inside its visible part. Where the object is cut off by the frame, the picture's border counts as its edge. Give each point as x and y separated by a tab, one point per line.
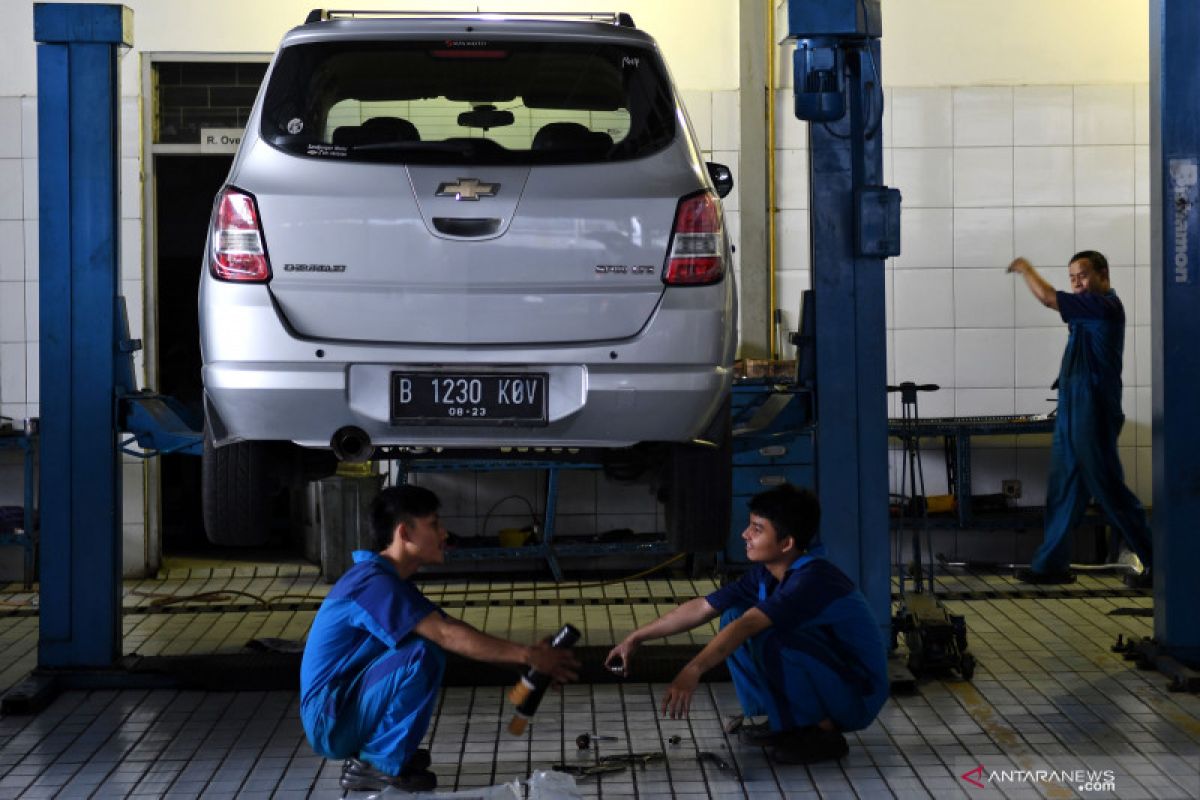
1084	462
368	683
823	656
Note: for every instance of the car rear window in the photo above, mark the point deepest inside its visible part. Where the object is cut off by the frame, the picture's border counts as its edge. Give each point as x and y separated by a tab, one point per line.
468	101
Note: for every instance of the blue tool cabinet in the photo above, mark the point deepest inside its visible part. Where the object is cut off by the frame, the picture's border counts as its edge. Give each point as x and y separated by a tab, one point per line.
772	444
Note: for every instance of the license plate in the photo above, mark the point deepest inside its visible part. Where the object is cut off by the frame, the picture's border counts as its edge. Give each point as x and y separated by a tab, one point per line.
441	398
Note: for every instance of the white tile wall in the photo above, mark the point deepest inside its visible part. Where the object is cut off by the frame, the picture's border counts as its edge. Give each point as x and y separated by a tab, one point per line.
792	251
983	237
1043	115
923	298
1104	175
925	176
1141	174
925	355
11	202
983	298
10	127
1046	236
1141	114
983	402
1104	115
983	358
1109	229
1038	354
12	250
791	179
726	122
983	176
1043	176
12	312
927	238
29	139
983	116
921	117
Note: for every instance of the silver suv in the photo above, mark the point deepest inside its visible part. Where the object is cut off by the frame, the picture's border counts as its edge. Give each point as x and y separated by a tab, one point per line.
466	232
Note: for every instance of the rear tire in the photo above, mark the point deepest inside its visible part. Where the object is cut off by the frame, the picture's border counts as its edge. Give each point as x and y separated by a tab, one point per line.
699	490
236	488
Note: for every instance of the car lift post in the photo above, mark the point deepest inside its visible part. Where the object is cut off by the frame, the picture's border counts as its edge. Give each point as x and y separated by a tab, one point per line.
855	224
78	124
1175	326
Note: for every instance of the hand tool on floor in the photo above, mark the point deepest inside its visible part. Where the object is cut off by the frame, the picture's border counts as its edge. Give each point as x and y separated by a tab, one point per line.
527	694
584	740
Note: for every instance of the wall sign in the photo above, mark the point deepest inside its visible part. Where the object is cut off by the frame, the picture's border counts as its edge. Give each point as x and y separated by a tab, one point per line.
220	140
1184	229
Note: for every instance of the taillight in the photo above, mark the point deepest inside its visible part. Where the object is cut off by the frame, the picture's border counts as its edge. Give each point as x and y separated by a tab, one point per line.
697	254
238	252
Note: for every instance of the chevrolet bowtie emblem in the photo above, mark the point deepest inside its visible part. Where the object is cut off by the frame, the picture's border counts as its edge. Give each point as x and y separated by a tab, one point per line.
467	189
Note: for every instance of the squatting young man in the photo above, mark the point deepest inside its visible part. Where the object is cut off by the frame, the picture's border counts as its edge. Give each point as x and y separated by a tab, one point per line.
798	637
374	659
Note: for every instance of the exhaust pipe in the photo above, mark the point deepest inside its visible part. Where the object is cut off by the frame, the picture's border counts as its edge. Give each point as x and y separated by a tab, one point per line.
352	445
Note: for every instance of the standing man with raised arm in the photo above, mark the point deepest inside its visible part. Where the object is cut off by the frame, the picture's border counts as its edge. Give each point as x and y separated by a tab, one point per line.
1084	462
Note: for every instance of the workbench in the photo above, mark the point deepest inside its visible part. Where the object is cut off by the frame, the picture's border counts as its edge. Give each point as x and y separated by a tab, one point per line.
956	434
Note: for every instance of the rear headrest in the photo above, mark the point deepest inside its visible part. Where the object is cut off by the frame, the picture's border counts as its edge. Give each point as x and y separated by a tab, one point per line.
570	136
376	130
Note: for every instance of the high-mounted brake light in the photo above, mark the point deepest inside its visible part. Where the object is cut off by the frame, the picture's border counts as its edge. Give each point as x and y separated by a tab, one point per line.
697	256
238	252
468	53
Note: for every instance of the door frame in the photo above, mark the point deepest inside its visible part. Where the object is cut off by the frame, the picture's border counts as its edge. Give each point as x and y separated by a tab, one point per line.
152	473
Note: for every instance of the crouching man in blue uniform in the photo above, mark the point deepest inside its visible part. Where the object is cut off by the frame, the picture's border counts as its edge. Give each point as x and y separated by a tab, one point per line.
374	659
799	639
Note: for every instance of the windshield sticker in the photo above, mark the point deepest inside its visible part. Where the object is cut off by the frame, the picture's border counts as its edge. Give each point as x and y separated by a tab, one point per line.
295	125
330	150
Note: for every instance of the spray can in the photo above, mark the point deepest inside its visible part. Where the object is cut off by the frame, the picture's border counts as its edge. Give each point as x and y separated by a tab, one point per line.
527	694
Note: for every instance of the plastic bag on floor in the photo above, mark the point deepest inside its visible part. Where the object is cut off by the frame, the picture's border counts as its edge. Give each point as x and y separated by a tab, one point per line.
547	784
504	791
544	784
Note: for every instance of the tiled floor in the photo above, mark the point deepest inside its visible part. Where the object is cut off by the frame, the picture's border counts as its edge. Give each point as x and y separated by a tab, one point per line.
1048	696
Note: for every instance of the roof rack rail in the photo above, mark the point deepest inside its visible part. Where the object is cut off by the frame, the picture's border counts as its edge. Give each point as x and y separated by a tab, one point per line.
613	17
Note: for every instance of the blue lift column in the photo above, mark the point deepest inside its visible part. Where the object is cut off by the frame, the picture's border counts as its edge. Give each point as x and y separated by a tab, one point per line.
79	213
855	224
1175	329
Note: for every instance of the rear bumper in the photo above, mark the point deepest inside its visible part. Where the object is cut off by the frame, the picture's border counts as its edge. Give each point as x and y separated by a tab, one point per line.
587	407
264	382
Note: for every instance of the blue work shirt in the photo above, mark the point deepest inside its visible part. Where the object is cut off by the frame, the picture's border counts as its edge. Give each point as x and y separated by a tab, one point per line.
1095	346
817	610
370	610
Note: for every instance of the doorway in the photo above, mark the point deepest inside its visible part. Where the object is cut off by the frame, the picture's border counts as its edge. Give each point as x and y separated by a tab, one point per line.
191	98
186	186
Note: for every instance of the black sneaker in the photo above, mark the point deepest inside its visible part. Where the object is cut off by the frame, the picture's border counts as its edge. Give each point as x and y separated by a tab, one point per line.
810	745
761	735
419	760
1139	580
1045	578
359	776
